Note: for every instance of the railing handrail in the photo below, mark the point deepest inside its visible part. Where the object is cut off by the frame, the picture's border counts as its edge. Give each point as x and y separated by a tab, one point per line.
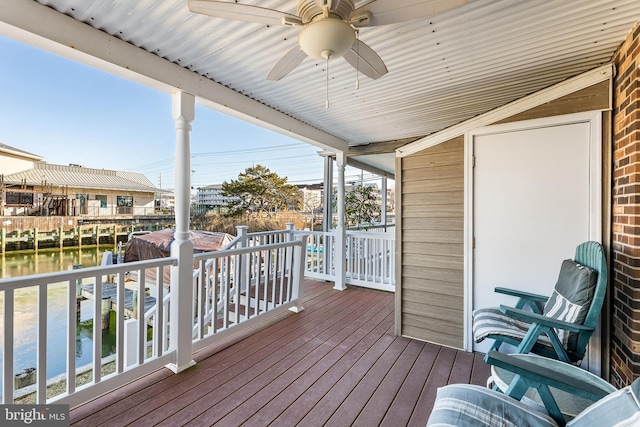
314	233
372	225
370	235
267	233
242	251
62	276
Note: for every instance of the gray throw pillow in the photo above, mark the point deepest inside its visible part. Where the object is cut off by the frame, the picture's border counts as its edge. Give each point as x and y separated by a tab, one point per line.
571	297
620	409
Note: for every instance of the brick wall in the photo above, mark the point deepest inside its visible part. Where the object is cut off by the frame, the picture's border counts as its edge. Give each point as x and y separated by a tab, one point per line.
625	263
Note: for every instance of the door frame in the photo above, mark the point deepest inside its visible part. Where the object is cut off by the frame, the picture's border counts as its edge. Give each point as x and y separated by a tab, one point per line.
594	119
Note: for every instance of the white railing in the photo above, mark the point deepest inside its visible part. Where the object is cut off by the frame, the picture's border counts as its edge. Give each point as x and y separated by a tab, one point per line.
58	297
233	289
371	260
320	255
375	227
258	278
237	288
268	237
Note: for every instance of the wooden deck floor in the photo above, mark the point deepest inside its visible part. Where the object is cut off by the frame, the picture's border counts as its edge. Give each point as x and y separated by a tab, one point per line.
337	363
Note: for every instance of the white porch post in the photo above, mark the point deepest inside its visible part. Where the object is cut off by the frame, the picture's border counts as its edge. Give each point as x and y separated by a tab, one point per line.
383	208
327	202
341	234
180	336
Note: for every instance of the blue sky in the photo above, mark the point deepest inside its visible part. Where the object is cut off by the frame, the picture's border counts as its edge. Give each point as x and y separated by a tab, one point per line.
68	112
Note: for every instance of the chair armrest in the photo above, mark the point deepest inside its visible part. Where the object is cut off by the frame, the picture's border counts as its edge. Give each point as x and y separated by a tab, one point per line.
542	320
521	294
546	375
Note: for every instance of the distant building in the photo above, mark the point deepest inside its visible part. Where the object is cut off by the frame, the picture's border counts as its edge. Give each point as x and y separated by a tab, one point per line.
312	197
165	202
29	186
211	195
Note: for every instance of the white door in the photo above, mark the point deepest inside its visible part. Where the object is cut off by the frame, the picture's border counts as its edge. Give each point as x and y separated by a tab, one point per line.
535	197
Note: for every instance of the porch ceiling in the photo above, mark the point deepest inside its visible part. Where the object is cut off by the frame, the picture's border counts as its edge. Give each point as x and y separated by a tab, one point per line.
442	70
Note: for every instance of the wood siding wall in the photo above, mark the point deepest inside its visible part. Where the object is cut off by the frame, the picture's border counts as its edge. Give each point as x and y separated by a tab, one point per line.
430	298
432	244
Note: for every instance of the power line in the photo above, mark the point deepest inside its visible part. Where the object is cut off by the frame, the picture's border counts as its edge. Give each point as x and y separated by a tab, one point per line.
170	160
250	150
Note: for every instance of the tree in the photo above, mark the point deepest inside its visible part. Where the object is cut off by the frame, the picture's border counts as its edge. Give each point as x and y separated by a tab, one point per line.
361	206
257	189
311	205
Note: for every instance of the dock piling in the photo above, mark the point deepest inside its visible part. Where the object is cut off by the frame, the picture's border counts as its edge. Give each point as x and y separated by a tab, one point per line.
106	313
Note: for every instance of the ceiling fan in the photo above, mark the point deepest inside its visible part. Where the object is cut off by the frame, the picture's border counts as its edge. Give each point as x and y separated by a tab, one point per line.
328	27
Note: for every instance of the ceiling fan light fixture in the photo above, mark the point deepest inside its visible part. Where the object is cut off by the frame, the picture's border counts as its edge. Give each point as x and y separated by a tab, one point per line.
326	35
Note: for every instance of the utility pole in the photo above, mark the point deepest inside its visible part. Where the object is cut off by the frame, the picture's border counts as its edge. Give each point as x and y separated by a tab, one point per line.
2	195
160	185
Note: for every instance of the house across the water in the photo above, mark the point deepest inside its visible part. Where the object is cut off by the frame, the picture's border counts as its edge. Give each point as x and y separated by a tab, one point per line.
30	186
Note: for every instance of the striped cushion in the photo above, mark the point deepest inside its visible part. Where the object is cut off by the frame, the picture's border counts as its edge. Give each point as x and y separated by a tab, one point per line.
569	302
491	321
571	298
620	409
463	405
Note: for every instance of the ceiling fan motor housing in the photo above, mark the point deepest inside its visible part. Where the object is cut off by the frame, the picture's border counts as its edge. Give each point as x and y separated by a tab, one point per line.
308	10
326	38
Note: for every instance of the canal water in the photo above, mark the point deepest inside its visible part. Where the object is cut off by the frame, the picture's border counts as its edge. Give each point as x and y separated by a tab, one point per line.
24	263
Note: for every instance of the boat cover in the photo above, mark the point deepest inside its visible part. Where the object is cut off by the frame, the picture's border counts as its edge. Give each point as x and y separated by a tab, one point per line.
158	245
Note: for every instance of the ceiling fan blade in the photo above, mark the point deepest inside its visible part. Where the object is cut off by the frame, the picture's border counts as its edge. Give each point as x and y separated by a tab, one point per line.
239	12
385	12
287	63
366	60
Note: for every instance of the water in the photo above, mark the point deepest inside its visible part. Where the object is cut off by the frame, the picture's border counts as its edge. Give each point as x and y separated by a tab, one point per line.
24	263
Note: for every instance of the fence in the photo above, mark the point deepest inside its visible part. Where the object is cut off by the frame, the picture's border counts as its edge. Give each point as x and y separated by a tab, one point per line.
236	288
320	263
256	277
370	258
232	289
57	297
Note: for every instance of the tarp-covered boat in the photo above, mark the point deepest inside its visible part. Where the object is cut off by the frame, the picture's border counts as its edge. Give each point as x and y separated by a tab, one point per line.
158	245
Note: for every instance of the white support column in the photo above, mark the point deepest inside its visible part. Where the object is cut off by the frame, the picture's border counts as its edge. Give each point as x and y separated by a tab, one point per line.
383	208
341	233
327	202
180	337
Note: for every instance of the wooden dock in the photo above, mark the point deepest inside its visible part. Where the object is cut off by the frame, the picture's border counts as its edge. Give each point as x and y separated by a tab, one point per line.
109	291
65	236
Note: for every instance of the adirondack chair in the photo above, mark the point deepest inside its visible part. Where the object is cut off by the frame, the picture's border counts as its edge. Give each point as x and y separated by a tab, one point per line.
559	326
470	405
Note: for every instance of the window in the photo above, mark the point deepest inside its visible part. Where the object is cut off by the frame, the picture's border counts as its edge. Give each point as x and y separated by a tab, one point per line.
125	201
103	200
125	205
15	198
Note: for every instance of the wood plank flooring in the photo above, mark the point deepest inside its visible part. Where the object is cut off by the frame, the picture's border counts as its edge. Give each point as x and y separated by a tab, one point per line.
337	363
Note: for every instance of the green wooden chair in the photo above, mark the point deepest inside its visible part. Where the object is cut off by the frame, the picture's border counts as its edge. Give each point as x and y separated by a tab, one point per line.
559	326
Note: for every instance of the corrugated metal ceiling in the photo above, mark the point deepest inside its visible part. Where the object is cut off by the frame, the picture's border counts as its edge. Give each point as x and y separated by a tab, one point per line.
442	70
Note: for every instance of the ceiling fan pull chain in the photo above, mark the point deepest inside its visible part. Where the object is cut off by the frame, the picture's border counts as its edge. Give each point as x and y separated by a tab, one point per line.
327	87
